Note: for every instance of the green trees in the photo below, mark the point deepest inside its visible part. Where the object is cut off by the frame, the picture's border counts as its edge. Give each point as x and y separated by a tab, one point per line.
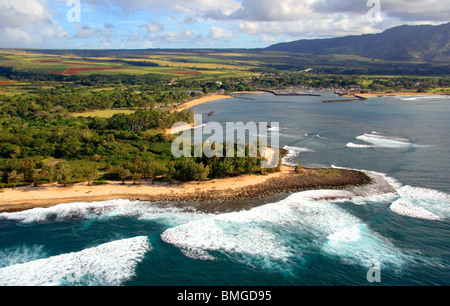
14	178
186	169
152	169
145	120
89	173
38	176
123	173
137	169
64	173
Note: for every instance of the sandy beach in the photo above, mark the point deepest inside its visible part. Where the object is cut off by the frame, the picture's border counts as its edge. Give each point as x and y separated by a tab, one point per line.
48	195
201	100
244	187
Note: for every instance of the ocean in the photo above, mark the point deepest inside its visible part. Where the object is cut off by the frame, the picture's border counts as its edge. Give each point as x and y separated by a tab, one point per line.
395	232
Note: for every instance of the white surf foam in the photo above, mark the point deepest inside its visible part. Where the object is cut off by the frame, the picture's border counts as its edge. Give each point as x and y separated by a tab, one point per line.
21	254
109	264
300	222
72	210
105	209
275	234
357	244
292	153
415	202
422	203
376	140
357	145
414	98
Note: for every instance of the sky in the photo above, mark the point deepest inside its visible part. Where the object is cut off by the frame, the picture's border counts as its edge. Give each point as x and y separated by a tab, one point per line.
140	24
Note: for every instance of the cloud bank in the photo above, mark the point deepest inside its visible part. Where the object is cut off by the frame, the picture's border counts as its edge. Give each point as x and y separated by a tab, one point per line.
191	23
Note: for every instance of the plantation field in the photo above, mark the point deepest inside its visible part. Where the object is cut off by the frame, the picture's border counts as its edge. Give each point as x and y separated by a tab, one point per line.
206	65
177	65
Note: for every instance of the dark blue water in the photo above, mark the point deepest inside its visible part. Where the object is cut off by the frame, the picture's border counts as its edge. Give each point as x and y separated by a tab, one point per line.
399	229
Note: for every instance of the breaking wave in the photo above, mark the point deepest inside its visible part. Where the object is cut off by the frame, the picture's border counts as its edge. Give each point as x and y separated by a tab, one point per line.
293	152
376	140
109	264
21	254
357	244
277	234
415	202
172	216
422	203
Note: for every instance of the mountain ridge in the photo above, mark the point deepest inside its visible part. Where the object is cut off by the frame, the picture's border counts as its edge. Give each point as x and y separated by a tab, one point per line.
402	43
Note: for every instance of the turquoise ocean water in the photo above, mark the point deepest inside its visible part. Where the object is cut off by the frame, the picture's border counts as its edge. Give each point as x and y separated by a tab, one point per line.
400	226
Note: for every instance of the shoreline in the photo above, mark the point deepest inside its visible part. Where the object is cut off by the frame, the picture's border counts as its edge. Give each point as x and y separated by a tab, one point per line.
357	96
392	94
201	100
219	195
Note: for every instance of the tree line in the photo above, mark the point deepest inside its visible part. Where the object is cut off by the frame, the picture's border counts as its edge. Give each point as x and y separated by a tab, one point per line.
141	166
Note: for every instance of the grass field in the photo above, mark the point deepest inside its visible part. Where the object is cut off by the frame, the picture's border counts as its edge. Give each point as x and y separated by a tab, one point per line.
108	113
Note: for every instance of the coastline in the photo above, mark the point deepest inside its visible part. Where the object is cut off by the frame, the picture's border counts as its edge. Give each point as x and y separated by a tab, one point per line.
210	194
392	94
215	192
201	100
357	96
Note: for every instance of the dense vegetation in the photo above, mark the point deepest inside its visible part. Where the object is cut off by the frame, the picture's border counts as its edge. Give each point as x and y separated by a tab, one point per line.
43	141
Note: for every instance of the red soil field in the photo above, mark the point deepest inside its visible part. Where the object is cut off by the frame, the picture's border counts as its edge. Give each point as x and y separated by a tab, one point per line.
7	82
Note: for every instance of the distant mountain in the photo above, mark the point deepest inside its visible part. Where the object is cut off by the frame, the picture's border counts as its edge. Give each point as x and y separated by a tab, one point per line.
403	43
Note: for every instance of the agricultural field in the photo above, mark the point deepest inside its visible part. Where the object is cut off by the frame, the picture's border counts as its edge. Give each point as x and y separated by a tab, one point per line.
177	65
202	64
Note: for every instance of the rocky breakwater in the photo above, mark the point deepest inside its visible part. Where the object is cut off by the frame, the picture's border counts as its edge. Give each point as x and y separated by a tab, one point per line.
287	183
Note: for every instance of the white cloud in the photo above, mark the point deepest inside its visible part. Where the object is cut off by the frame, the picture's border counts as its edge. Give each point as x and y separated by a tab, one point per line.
17	36
84	31
267	38
326	18
220	33
155	27
171	37
250	27
27	23
431	11
269	10
16	14
185	6
33	23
